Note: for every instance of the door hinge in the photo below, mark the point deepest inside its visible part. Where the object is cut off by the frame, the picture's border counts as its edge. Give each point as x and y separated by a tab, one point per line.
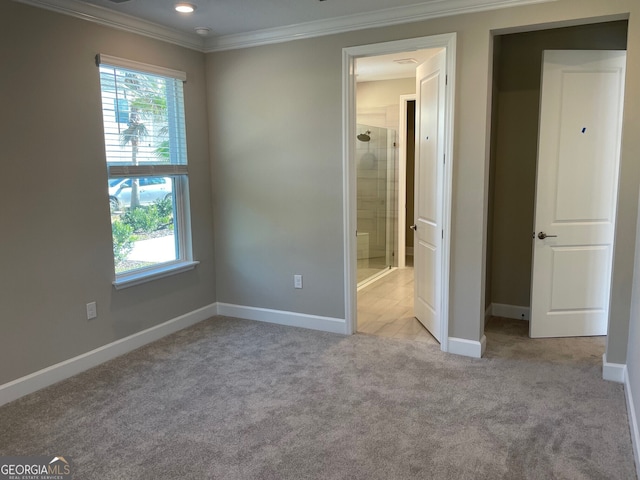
444	158
442	234
446	80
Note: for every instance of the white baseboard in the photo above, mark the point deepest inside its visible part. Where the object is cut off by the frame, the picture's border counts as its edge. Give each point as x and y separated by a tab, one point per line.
614	372
633	421
60	371
467	348
280	317
510	311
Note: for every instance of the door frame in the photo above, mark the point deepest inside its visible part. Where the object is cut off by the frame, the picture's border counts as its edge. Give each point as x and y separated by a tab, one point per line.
402	180
349	56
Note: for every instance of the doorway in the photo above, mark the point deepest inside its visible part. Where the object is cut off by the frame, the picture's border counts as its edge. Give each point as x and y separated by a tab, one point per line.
514	144
441	269
385	303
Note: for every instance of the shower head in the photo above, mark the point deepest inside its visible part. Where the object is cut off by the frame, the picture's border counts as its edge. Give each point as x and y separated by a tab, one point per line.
364	137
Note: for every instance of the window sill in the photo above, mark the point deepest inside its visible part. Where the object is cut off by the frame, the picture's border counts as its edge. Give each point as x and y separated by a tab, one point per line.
133	279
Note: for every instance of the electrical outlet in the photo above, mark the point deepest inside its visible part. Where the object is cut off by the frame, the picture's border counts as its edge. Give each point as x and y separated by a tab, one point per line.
297	281
92	311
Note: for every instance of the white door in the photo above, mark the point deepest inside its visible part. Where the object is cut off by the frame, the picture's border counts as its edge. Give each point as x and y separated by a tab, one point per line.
576	193
429	173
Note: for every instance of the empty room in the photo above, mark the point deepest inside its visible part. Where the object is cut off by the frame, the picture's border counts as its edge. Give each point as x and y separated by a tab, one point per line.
181	241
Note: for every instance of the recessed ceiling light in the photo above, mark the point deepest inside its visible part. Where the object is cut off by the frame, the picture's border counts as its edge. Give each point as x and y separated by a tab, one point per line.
202	30
185	7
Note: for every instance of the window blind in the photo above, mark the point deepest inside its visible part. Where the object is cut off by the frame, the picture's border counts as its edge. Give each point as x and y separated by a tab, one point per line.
143	114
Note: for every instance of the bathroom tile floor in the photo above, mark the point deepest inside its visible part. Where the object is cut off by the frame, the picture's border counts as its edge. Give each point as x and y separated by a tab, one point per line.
385	308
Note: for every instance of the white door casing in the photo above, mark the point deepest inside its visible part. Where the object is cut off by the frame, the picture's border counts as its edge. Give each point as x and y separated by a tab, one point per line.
429	177
349	55
576	191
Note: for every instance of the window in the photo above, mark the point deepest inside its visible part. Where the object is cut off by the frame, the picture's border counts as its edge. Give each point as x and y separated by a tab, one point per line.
146	156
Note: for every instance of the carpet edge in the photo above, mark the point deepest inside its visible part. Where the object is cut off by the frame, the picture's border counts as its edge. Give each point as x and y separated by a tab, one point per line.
33	382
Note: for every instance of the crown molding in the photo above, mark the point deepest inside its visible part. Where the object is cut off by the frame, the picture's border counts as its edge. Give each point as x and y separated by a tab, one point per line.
361	21
121	21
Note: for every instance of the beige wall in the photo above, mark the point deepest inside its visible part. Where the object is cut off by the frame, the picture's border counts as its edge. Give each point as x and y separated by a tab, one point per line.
275	112
516	114
56	251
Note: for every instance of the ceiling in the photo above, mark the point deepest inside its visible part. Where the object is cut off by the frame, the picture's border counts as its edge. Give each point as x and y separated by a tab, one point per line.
392	66
241	23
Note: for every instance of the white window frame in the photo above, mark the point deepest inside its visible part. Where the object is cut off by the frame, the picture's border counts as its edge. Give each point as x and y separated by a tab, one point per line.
178	172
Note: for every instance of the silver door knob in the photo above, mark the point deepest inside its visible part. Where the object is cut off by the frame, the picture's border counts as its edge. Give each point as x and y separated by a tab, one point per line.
543	235
414	227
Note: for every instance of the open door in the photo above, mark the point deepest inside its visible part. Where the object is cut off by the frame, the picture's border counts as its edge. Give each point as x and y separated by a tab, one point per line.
429	174
576	192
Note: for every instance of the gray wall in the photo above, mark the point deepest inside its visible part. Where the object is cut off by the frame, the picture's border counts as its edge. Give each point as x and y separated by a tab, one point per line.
516	116
633	356
276	135
274	129
56	251
274	113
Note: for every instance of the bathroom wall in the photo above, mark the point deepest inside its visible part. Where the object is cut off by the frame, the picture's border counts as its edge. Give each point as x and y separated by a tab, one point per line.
378	103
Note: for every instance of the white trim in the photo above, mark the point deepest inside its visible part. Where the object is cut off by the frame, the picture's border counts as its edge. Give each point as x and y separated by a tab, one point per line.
614	372
349	55
450	99
139	277
510	311
68	368
103	59
280	317
111	18
468	348
165	169
349	205
360	21
633	421
347	23
402	180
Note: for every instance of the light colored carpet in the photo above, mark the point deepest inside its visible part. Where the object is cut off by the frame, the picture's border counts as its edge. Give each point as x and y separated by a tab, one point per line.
234	399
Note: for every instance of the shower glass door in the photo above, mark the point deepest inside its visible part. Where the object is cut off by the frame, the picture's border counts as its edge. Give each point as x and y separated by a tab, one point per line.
376	200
